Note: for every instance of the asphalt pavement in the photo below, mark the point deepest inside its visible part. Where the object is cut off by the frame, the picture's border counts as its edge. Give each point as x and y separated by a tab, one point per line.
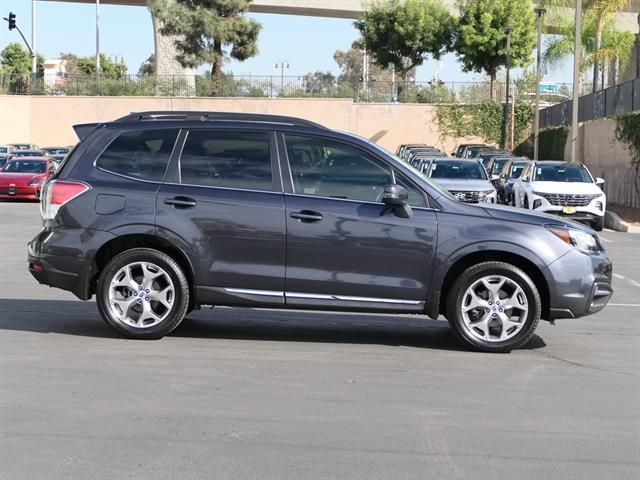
265	394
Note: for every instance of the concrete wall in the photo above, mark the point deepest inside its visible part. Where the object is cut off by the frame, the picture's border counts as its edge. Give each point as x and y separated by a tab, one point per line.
609	159
48	120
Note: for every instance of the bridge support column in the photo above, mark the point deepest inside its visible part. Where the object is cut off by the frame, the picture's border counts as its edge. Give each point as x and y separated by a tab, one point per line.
172	78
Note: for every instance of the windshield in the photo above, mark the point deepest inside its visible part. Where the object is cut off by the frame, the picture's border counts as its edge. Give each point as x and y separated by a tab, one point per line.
498	163
57	151
561	173
26	166
26	153
413	170
458	170
517	169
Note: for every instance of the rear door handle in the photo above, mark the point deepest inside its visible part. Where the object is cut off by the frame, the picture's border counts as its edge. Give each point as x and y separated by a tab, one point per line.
306	216
181	202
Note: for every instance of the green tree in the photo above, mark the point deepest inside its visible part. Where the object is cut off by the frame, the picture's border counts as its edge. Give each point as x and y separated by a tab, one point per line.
15	59
72	62
616	47
148	67
108	67
402	33
602	13
481	41
208	31
319	84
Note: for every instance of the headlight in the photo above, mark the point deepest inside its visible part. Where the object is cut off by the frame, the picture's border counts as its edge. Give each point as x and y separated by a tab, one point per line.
581	241
538	194
36	182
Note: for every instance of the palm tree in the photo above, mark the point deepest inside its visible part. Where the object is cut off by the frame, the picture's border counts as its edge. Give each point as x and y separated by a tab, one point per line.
603	11
616	46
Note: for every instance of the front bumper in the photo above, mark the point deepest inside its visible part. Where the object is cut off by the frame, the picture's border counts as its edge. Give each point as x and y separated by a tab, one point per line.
586	214
581	284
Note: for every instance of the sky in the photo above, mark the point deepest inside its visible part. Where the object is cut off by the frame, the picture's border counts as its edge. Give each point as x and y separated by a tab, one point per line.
307	43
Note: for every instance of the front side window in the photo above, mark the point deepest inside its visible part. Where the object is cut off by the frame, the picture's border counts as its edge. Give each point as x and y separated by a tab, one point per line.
324	168
227	159
141	154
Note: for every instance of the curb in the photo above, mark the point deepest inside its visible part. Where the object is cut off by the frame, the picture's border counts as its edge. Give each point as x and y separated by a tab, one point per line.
614	222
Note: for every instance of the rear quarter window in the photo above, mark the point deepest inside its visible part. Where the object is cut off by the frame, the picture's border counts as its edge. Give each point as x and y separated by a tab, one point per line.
140	154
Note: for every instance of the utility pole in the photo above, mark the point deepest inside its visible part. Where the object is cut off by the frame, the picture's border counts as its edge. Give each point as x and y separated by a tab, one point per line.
34	61
536	122
97	42
576	84
507	109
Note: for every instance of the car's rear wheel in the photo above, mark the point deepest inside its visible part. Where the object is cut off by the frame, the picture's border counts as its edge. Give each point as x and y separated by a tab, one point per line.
494	307
143	293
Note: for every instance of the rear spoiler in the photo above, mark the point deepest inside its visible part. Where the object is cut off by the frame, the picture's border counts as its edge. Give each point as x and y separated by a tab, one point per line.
83	130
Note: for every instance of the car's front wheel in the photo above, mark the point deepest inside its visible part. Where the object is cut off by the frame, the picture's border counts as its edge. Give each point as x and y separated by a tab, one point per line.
598	225
493	306
143	293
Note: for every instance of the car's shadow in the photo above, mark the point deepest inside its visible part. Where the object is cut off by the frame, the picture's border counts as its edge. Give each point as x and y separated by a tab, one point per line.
82	319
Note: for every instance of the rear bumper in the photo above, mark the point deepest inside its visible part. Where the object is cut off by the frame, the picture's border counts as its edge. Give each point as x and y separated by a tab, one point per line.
63	258
582	285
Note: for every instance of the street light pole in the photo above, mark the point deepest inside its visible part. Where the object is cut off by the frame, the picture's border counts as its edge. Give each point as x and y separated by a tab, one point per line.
97	41
536	122
576	83
282	65
507	110
34	61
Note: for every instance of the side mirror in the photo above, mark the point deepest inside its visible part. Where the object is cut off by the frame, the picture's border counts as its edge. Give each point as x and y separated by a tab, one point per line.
525	179
599	181
495	177
396	198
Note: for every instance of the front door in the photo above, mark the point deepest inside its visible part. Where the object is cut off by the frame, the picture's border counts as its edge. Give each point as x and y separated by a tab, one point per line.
345	249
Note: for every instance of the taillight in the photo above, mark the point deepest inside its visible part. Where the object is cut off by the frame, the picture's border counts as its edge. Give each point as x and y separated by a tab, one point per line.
58	192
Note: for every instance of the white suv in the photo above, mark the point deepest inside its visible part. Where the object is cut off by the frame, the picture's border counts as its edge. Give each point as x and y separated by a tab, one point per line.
562	188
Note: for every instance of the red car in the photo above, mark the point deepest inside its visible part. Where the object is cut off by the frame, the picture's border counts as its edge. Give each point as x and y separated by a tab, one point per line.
23	177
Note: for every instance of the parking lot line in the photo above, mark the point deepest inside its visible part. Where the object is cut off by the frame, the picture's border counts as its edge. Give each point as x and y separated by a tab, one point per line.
617	275
623	304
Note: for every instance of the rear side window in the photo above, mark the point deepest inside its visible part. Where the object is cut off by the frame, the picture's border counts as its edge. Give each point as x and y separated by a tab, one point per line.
142	154
227	159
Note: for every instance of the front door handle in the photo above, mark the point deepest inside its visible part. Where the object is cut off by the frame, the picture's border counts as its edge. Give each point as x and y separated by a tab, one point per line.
181	202
306	216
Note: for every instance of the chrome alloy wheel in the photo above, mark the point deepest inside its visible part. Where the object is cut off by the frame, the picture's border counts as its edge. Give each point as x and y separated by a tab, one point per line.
494	308
141	295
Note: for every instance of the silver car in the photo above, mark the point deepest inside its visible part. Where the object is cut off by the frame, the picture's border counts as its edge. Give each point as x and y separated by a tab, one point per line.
465	179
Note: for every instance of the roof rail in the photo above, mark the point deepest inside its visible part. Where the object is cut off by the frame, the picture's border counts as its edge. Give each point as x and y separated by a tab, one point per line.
225	116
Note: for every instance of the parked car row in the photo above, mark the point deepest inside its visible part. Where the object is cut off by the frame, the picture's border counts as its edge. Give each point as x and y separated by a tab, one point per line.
24	168
480	173
14	150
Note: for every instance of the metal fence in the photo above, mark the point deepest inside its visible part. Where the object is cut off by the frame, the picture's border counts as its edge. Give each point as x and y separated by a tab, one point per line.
304	86
613	101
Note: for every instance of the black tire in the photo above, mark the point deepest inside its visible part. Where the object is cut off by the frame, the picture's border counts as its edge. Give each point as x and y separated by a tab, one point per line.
179	301
468	336
598	225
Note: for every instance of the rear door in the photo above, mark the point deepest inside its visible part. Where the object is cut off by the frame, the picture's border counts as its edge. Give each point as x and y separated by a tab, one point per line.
223	204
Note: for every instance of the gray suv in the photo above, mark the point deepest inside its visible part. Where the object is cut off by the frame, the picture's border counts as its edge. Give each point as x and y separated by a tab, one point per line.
159	213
